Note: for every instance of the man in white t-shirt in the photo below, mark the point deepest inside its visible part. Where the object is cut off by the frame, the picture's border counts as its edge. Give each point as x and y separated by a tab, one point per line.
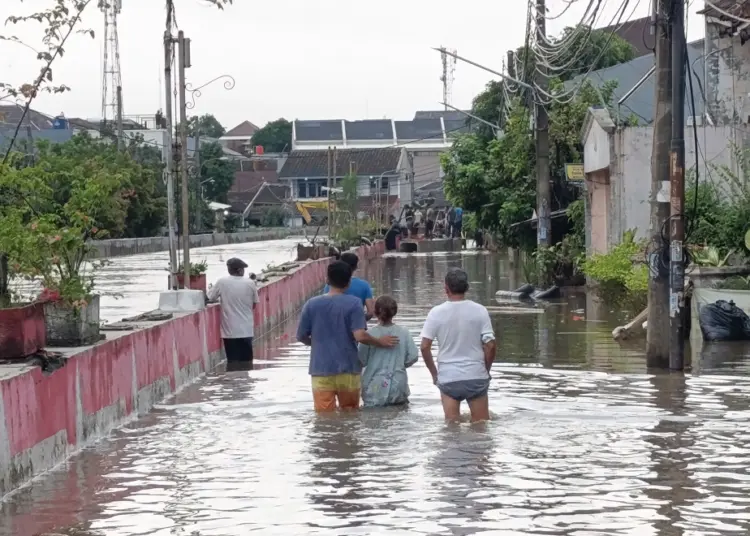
466	352
238	296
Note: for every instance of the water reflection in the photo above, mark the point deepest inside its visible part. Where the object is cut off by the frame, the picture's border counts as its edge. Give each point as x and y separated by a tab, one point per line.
583	441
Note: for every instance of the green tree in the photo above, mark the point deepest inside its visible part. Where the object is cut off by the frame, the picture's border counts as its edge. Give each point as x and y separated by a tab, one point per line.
275	137
216	171
206	125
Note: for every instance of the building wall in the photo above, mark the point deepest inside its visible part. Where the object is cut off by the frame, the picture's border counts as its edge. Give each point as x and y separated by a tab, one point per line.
597	185
630	181
727	77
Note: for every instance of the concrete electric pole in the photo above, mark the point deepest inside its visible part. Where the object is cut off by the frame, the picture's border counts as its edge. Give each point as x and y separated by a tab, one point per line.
120	130
677	191
183	55
657	341
169	167
542	141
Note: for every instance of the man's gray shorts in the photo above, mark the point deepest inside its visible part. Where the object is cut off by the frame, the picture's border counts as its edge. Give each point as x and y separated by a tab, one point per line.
465	389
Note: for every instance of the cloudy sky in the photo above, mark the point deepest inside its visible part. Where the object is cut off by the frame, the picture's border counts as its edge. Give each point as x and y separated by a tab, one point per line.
305	59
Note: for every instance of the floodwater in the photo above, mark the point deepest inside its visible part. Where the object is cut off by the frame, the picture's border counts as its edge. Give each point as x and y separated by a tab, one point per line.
583	441
131	285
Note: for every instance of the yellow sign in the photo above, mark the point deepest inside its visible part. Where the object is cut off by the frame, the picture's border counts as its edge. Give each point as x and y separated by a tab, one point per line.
574	172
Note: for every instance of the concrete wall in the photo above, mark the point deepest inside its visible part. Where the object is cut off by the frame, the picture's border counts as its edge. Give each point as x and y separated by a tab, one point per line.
727	77
106	249
45	418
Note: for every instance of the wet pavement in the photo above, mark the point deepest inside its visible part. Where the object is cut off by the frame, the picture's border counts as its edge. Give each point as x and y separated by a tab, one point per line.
582	442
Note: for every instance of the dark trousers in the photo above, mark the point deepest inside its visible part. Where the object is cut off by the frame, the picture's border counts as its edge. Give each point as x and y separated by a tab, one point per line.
239	350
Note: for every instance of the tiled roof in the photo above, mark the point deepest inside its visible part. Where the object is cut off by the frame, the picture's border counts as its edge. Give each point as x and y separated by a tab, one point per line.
10	116
635	32
301	164
448	115
51	135
370	129
327	130
419	129
246	128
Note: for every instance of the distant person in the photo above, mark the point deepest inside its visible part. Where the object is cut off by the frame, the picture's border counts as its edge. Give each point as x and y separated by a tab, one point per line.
417	222
392	237
450	219
429	223
479	238
332	325
238	297
384	380
466	351
458	221
358	288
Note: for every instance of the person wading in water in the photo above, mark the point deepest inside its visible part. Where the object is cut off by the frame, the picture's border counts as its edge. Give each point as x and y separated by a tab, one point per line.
466	352
359	288
332	325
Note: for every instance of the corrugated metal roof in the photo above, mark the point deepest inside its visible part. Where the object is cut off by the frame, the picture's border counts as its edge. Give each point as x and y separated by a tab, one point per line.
419	129
309	164
641	102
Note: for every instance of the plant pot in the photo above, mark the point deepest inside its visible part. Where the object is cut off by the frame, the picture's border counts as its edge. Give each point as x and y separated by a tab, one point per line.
197	282
22	331
68	326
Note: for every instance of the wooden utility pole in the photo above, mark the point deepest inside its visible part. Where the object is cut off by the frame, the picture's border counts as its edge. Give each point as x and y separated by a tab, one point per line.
542	142
183	63
120	130
657	340
169	164
330	162
677	191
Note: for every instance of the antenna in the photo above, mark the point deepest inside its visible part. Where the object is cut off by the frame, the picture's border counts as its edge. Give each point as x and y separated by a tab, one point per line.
111	74
448	76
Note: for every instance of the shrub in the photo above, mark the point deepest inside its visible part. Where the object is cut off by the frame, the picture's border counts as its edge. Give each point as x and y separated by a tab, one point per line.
620	279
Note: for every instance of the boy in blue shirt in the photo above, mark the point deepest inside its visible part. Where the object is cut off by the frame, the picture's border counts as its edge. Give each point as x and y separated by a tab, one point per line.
359	288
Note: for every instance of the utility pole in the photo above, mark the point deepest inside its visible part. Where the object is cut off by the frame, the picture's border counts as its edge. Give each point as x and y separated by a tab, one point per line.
333	181
120	130
169	168
197	164
330	162
183	63
677	191
657	341
542	143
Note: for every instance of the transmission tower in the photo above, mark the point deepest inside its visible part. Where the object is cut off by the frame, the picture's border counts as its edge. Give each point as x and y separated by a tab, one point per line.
111	75
447	78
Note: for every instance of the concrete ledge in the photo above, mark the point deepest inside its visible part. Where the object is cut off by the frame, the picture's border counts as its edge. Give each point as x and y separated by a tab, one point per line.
45	418
180	301
120	247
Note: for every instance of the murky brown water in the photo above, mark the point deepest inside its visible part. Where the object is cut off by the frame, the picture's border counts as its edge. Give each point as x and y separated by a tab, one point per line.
583	442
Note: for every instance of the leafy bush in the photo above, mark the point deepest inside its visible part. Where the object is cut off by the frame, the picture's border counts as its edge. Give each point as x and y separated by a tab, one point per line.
618	277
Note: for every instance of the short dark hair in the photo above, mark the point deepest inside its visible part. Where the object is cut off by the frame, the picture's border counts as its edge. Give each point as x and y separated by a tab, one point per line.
351	259
339	274
457	281
385	308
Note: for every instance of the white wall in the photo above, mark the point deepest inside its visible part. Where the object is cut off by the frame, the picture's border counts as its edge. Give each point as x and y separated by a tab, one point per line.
631	181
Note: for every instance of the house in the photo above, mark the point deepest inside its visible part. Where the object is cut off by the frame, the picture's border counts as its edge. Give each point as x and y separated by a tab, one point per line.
239	138
424	139
637	32
268	197
381	174
250	173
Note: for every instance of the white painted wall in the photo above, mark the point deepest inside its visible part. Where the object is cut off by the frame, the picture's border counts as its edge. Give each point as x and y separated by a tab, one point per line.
631	180
596	149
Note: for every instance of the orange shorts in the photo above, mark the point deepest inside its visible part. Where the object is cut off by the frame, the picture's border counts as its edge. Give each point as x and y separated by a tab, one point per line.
342	387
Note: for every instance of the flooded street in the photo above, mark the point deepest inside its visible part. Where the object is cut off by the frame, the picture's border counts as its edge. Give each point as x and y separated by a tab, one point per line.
583	441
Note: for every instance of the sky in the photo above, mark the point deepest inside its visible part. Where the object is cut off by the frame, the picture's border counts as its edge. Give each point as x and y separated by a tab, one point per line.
298	59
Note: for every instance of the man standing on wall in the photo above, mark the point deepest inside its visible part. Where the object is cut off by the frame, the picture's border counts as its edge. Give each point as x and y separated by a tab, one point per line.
238	297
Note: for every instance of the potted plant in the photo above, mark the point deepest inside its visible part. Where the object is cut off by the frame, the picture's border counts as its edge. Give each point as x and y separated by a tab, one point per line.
57	207
23	330
197	275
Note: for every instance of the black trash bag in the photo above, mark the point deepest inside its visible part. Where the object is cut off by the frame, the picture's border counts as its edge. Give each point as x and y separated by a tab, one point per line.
724	321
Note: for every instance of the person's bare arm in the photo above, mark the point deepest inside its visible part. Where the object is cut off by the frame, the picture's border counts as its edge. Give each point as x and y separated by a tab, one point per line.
429	362
370	306
490	347
362	337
